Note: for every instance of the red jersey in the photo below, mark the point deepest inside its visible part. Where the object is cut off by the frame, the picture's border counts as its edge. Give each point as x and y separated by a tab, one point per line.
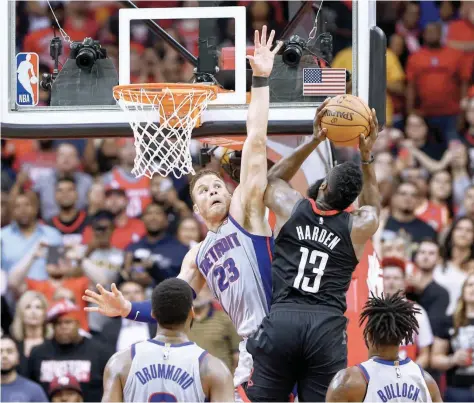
137	189
132	231
434	214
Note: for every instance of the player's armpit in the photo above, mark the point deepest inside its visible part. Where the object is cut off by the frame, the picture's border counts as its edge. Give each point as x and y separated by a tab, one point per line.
349	385
432	387
113	388
281	198
216	380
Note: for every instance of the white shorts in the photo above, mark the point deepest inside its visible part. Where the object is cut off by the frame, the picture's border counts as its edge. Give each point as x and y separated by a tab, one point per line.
244	368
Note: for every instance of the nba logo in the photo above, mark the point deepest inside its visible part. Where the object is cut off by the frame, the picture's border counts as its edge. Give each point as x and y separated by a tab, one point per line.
27	80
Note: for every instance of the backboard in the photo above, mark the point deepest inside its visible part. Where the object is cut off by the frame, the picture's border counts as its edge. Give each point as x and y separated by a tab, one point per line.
155	41
130	39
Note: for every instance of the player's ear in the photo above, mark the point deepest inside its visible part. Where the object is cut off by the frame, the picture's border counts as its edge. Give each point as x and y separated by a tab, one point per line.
324	185
195	209
192	313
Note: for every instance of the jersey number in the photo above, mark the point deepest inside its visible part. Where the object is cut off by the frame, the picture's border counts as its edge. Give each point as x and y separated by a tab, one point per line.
227	273
301	281
162	397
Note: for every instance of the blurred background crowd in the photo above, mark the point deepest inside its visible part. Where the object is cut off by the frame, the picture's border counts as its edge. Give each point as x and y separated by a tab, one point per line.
73	215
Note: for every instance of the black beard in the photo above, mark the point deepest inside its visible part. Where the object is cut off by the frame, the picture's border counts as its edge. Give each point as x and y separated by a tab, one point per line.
314	189
434	45
155	233
8	370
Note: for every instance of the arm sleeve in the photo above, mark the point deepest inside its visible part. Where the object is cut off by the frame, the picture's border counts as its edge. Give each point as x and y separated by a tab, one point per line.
141	311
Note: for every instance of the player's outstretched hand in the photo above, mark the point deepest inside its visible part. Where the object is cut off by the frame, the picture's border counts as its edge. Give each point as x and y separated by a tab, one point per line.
367	142
263	57
109	303
319	134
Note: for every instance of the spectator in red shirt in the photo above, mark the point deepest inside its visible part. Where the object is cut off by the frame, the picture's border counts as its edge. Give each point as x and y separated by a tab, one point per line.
59	276
121	177
70	221
461	32
434	210
126	229
438	76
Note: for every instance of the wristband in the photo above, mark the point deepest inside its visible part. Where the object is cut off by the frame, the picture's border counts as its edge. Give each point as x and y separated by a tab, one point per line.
372	159
258	82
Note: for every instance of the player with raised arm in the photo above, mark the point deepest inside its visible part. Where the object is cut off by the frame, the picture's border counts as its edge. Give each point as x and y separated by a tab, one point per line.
235	256
169	367
384	377
319	244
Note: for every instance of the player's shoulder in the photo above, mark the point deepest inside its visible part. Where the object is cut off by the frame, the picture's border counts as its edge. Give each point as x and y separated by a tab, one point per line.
349	385
120	361
211	367
352	376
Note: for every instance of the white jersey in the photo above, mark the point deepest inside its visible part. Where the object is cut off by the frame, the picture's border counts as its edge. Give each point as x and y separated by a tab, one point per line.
237	267
387	382
164	373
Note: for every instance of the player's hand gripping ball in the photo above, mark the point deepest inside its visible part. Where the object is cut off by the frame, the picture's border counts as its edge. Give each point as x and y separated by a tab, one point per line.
346	117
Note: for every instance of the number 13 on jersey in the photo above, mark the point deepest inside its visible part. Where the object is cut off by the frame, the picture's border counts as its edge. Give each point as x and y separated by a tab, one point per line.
302	281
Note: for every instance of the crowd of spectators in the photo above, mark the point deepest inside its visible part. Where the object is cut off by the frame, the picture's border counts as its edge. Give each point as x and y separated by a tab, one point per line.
73	214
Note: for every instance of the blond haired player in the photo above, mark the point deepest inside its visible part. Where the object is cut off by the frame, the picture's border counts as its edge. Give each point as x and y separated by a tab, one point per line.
235	257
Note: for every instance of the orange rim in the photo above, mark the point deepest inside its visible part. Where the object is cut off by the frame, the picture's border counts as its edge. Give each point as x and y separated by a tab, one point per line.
173	94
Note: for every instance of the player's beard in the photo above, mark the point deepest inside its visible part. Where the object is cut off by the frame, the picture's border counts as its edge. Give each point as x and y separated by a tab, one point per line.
313	190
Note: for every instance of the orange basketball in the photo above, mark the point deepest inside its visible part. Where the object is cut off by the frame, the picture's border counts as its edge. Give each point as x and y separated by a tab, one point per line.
346	117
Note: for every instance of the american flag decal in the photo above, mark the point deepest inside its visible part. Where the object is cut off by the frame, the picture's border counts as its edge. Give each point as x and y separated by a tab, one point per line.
323	82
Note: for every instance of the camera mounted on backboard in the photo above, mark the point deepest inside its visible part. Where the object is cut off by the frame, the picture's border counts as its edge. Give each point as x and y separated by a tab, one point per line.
292	50
86	53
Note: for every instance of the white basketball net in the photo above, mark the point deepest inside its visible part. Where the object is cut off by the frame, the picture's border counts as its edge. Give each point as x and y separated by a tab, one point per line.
163	133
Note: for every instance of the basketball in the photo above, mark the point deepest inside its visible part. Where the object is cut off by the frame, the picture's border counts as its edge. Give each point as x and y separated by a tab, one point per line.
346	117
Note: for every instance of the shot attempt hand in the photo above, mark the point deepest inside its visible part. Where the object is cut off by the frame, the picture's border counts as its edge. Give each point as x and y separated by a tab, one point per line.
263	57
367	142
319	134
109	303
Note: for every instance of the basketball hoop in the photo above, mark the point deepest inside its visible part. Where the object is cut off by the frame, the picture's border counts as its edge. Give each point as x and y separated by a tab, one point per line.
162	117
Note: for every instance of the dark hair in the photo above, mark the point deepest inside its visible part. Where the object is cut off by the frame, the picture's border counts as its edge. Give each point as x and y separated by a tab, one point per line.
199	175
390	320
103	215
171	302
344	185
68	179
429	240
447	250
154	204
407	182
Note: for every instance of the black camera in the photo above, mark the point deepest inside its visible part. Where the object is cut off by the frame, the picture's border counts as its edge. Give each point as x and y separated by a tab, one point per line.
292	50
86	53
